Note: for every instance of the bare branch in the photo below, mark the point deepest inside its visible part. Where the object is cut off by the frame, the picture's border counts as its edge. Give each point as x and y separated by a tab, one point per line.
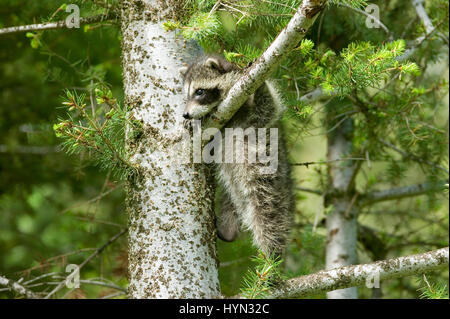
423	15
402	192
29	149
94	254
267	62
309	190
91	282
17	288
356	275
327	162
55	25
381	24
116	294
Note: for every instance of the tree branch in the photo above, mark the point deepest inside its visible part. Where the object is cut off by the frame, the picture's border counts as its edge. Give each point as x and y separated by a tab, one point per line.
29	149
17	288
267	62
423	15
356	275
401	192
56	25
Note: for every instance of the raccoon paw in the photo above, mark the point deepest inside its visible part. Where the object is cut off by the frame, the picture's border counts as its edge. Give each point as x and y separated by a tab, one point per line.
187	124
227	233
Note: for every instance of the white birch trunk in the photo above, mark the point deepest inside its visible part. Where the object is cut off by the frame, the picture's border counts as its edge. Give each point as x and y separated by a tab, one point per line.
342	221
171	222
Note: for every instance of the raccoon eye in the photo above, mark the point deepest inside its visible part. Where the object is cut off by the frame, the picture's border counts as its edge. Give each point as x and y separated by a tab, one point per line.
199	92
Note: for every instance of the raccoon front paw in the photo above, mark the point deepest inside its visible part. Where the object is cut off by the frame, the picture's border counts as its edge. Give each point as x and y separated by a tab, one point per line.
187	124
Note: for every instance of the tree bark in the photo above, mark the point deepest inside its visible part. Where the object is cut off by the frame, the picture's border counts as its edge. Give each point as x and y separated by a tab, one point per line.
342	221
172	251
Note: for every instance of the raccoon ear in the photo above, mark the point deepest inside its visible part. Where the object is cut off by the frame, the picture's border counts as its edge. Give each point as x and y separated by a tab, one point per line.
214	63
220	64
183	70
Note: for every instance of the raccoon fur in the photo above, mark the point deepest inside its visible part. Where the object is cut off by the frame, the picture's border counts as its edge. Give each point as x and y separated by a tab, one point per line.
259	202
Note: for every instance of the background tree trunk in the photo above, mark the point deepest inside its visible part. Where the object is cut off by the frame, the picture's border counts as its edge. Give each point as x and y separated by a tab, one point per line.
342	220
172	250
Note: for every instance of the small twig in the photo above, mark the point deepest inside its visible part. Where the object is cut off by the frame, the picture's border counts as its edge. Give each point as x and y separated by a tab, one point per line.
116	294
29	149
55	258
95	199
55	25
352	202
15	286
309	190
93	282
330	161
410	130
214	8
381	24
94	254
97	221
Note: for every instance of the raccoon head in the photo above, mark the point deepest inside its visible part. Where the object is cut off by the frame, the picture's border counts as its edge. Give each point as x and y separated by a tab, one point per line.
206	83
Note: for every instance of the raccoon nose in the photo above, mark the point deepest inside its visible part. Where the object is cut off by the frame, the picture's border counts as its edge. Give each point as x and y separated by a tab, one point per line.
186	116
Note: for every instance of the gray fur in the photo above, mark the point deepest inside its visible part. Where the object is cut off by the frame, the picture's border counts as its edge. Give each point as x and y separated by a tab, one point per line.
261	203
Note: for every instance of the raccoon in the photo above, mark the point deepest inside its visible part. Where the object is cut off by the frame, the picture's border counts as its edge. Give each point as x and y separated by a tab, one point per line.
252	199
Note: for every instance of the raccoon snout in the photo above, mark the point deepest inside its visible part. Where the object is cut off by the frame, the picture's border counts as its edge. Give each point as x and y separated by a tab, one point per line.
187	116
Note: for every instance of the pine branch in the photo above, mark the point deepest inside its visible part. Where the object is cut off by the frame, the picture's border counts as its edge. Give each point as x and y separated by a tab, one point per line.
17	288
356	275
56	25
402	192
267	62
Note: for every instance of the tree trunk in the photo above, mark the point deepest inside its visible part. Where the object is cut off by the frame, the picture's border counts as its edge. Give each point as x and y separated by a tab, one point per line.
342	220
172	251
